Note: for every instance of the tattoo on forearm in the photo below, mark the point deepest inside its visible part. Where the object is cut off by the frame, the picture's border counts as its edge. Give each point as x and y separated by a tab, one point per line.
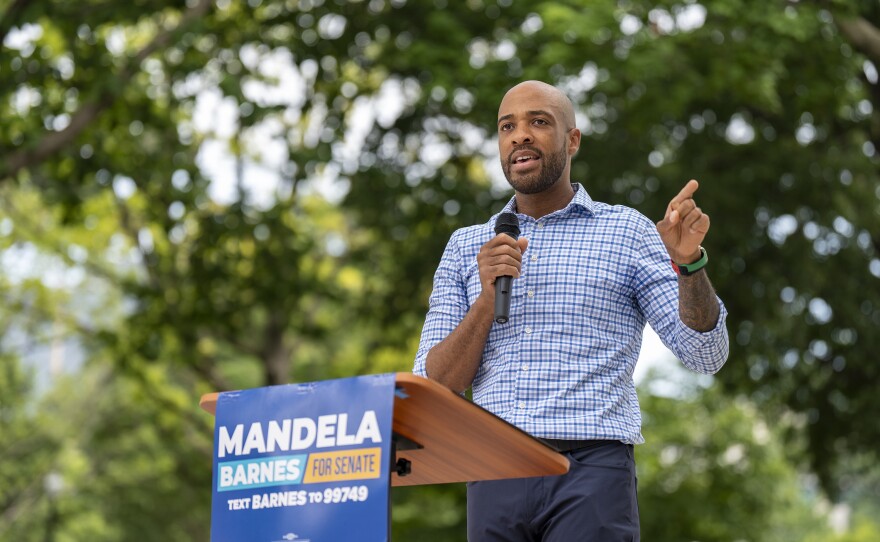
697	304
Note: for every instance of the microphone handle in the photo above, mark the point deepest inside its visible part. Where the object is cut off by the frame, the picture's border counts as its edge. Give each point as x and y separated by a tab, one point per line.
502	298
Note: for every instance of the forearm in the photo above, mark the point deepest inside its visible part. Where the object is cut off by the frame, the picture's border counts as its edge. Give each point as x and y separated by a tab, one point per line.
454	361
698	305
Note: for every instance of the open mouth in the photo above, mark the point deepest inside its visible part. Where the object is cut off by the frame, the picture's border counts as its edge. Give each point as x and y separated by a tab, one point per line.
523	160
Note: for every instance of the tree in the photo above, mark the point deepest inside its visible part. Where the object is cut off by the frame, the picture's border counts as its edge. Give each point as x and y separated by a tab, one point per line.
713	469
371	122
27	453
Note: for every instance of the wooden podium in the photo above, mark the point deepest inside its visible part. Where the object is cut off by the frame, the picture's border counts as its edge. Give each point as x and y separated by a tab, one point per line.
441	437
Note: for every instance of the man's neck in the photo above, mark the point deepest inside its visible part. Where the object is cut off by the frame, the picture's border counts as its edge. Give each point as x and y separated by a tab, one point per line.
542	204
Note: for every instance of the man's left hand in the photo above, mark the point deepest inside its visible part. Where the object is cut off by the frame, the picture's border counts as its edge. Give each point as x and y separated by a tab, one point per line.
684	226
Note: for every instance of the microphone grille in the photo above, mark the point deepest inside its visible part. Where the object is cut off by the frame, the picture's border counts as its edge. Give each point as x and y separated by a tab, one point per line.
507	223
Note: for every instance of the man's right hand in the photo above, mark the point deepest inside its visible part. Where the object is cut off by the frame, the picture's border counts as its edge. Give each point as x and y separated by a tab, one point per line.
501	256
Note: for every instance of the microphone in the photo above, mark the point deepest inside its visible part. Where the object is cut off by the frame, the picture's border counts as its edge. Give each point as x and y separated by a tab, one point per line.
506	223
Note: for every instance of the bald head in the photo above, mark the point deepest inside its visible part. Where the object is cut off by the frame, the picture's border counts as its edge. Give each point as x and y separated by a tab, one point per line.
542	95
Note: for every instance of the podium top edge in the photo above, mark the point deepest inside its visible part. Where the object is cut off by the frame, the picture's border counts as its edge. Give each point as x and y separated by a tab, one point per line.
208	401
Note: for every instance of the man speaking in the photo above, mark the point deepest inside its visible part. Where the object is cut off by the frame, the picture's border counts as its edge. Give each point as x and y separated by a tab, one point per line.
586	278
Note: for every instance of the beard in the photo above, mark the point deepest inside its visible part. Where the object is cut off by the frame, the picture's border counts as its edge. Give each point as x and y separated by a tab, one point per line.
552	166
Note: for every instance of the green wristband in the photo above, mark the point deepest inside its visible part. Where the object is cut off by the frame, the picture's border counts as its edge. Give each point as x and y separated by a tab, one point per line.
685	269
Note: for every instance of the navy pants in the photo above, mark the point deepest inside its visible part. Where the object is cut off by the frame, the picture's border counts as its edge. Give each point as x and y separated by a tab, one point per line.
595	501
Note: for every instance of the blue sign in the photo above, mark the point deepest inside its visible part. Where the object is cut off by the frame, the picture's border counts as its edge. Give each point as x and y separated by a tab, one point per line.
303	462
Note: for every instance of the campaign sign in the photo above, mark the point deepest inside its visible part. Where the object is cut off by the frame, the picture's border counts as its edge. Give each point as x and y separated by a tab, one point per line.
303	462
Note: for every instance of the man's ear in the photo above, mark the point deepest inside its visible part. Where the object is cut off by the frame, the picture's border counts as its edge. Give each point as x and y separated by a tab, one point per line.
574	141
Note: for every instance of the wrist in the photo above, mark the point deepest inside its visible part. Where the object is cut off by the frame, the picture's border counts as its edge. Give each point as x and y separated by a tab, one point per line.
485	303
686	258
692	264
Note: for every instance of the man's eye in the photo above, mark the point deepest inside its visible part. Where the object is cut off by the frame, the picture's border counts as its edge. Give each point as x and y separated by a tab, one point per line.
540	121
505	127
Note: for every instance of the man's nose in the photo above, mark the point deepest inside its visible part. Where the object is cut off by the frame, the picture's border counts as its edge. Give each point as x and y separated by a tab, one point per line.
521	135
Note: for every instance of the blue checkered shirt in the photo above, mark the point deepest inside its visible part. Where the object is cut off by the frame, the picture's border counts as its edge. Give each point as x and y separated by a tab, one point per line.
562	367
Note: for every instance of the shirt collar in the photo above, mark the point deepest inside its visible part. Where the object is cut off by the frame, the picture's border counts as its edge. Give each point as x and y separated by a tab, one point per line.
581	199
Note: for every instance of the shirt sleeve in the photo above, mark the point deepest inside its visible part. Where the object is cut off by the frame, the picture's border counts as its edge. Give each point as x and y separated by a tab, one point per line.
447	305
657	296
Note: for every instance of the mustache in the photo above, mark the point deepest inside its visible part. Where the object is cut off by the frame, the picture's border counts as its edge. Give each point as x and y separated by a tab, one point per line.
523	148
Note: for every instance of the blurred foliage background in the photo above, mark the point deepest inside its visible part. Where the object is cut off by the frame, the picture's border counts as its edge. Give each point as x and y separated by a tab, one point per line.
212	195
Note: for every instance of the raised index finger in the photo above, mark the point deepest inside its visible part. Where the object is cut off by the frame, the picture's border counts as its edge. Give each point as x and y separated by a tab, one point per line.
686	193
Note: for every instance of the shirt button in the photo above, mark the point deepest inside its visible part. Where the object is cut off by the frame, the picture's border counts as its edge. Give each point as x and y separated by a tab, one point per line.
540	225
522	404
534	257
525	367
531	293
528	330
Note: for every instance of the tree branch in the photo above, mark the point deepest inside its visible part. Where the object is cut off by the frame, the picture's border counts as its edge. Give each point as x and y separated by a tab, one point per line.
55	141
205	367
151	263
862	35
